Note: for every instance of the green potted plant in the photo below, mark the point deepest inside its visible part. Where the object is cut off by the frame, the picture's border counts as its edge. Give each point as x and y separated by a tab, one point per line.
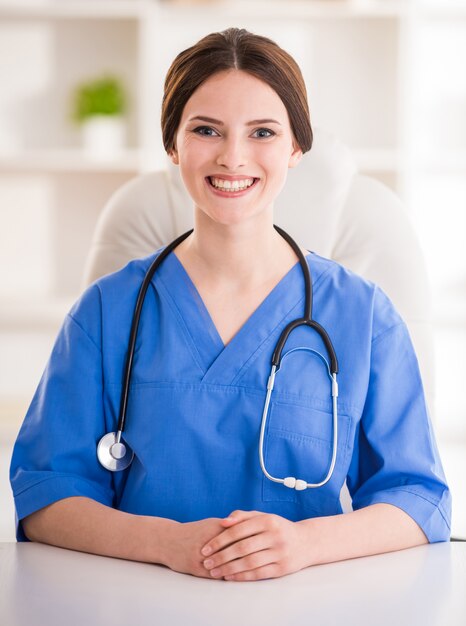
99	106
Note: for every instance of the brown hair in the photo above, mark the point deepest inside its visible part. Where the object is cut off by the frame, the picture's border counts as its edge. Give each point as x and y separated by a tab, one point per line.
235	48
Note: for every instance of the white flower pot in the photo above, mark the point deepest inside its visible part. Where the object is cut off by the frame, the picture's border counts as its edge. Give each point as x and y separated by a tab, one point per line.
104	136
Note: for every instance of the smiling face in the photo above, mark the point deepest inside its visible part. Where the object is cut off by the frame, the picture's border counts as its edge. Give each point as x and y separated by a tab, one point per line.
247	139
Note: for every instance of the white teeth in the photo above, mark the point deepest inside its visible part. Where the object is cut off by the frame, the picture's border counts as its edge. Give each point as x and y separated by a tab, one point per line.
234	185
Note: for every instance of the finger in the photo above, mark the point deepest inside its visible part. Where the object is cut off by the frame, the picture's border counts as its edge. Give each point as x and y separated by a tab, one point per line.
250	562
239	516
229	521
272	570
238	550
239	531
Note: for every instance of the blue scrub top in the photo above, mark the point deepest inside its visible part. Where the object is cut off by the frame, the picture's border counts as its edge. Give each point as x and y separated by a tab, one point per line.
195	405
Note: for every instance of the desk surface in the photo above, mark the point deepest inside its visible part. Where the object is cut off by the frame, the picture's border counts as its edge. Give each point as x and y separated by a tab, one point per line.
44	585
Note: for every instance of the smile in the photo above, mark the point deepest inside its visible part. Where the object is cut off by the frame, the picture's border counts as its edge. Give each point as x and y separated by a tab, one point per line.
231	188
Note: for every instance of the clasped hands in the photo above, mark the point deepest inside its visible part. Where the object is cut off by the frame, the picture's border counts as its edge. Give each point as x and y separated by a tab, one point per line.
246	545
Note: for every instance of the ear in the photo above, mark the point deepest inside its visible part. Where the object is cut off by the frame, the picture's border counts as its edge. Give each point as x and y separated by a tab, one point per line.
173	154
295	156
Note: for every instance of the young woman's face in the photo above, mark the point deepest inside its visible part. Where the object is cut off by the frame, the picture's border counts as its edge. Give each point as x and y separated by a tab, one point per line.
247	139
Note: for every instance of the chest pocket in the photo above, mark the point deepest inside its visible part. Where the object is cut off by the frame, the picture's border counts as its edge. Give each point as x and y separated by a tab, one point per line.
299	442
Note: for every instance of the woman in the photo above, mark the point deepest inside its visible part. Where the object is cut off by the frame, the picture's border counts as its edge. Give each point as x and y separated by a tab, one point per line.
195	496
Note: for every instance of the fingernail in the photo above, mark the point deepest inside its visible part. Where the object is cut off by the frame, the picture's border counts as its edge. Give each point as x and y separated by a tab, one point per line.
207	550
215	572
208	563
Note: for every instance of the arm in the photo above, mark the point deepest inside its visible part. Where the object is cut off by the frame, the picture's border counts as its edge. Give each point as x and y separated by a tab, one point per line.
396	480
80	523
376	529
258	545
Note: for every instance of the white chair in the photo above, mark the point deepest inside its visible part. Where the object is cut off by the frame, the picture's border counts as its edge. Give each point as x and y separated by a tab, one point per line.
326	205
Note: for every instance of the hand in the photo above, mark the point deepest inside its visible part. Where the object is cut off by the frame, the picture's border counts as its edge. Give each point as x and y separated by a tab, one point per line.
185	542
254	546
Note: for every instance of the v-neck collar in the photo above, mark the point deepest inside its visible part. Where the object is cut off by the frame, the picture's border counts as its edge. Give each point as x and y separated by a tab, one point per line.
220	363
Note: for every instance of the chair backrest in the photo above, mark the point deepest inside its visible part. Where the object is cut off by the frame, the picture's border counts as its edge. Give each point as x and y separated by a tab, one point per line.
326	205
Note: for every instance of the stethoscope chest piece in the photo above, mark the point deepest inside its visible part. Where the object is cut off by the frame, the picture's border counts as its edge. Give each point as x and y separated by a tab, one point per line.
114	455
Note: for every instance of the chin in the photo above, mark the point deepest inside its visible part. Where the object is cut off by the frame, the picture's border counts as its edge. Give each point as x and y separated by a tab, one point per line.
232	214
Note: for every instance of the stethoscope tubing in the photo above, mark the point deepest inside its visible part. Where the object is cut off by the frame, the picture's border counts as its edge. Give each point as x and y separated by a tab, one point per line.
307	319
115	455
135	325
291	481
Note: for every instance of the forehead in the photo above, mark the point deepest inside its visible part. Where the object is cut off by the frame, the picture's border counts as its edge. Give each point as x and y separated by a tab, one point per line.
235	93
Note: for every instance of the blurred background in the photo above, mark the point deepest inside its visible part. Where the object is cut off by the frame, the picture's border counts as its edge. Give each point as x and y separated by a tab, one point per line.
80	94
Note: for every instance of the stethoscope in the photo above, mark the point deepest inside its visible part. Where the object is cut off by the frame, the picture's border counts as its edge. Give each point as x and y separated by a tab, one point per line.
116	455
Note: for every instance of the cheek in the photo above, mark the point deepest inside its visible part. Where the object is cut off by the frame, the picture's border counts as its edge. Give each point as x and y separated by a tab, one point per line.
194	157
276	168
273	158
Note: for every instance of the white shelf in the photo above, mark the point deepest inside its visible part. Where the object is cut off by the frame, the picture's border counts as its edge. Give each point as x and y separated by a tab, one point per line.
450	318
69	160
444	162
69	9
12	412
440	8
20	313
299	9
380	160
273	9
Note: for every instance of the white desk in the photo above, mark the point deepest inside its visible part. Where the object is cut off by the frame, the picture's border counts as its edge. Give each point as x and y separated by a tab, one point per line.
43	585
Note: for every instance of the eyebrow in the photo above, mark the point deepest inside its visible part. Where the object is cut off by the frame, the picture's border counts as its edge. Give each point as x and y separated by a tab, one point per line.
212	120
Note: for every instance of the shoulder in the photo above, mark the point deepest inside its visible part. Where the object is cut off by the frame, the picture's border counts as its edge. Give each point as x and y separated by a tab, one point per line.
345	283
113	293
354	296
128	277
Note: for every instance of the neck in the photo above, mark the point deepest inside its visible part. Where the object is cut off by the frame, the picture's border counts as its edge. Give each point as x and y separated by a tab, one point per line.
243	255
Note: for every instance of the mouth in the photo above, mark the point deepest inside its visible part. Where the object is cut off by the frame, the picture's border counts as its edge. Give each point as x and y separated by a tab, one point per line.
234	190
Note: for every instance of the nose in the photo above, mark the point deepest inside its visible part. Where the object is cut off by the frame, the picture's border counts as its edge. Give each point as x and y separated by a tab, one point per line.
232	153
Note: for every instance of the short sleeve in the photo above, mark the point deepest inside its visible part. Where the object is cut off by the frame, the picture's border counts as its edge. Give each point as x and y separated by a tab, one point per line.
396	460
54	456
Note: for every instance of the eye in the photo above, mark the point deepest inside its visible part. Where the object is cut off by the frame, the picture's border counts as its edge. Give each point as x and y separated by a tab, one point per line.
266	130
202	128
